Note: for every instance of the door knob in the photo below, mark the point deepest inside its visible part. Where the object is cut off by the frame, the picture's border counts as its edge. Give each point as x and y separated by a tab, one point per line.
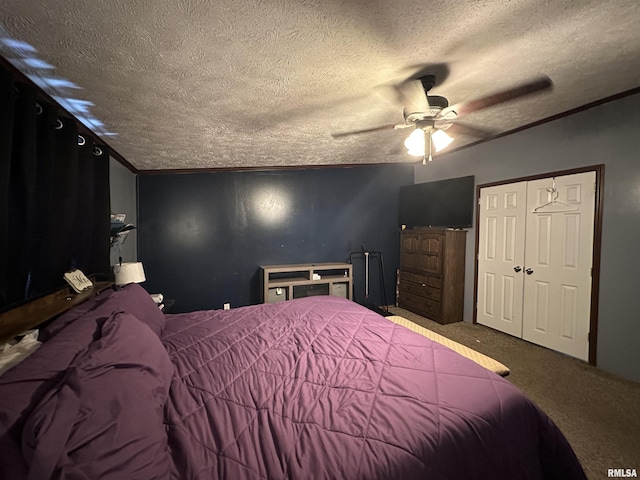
528	271
517	268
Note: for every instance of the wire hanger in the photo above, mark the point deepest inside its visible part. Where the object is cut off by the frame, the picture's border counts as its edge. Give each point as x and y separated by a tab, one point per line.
555	205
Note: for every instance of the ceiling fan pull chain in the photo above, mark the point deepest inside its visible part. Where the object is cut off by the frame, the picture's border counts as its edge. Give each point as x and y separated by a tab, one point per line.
430	148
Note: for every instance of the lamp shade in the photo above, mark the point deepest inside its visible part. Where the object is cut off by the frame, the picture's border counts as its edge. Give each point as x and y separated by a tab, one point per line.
129	272
415	143
440	139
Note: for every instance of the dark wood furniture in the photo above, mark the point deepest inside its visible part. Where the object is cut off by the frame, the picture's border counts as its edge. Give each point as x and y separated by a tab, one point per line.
166	305
36	312
431	276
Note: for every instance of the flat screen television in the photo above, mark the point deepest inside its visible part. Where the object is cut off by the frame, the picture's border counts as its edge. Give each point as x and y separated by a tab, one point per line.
443	203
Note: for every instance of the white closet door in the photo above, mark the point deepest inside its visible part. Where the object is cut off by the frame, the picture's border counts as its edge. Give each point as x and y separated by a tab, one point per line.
558	261
502	216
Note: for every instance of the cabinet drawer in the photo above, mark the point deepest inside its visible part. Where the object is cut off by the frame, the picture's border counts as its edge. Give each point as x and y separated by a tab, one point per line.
423	304
428	280
421	289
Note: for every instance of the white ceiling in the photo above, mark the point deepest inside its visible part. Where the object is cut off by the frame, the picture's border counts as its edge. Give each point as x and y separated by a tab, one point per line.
257	83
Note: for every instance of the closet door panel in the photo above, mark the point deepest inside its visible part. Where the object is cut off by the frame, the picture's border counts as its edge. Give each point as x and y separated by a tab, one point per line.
502	218
558	253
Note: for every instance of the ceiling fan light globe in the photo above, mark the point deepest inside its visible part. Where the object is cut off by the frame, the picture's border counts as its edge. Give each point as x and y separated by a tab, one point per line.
416	152
415	143
440	139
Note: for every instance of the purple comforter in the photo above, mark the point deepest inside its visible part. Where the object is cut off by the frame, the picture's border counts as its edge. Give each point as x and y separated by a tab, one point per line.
324	388
315	388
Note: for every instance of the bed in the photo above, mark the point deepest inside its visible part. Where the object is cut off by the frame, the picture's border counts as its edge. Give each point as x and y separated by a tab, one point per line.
317	387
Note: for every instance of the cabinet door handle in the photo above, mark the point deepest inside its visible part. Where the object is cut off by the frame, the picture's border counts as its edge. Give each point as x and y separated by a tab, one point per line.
528	271
424	284
517	268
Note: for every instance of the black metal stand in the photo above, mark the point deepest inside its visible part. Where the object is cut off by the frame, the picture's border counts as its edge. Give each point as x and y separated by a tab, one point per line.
367	255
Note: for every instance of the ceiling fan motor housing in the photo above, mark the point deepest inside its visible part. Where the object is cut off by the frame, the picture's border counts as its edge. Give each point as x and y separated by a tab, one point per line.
414	117
438	101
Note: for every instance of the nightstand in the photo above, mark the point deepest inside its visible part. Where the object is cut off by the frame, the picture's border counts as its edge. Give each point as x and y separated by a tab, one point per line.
166	305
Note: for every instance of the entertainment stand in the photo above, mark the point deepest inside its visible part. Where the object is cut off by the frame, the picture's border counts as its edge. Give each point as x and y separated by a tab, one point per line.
286	282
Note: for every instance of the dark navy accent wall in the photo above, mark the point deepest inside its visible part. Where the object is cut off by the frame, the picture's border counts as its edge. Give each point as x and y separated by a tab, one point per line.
202	236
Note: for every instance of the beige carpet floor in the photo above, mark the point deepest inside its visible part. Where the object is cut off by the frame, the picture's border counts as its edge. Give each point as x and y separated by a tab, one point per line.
598	412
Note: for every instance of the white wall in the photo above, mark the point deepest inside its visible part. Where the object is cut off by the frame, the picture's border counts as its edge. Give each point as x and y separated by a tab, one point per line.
608	134
123	186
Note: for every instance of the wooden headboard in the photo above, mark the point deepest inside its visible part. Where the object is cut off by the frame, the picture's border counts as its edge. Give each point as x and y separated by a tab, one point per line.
32	314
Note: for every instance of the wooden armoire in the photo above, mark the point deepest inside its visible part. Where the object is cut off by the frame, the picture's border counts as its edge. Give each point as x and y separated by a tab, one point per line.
431	276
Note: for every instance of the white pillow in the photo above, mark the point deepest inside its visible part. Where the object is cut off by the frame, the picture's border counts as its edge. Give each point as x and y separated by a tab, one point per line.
13	352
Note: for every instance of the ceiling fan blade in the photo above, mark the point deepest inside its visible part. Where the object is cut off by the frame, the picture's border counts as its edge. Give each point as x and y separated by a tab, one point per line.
537	85
409	94
459	128
412	95
396	149
367	130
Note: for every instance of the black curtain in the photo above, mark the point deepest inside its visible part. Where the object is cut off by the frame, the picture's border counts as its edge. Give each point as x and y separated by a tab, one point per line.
54	196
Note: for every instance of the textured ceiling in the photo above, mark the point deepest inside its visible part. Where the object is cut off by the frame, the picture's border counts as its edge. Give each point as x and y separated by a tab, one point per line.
259	83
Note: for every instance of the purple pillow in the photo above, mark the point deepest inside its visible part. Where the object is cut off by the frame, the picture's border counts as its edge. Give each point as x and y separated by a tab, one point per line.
131	298
104	419
134	299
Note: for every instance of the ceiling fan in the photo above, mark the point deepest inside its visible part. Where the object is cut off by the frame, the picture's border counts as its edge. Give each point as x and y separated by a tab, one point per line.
430	115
